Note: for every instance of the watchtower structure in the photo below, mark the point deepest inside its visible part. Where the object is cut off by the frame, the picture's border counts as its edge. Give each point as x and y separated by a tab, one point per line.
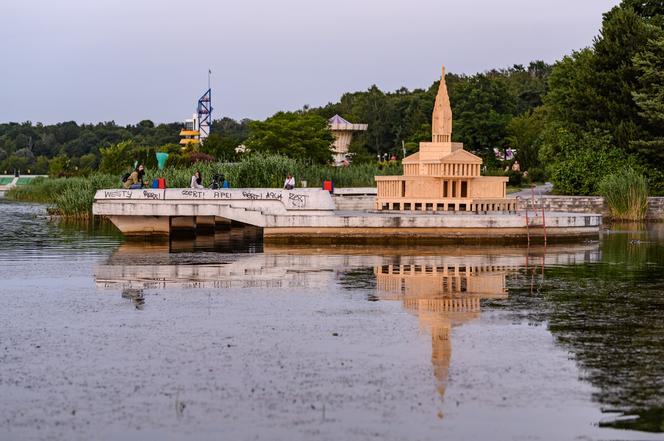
342	131
442	176
197	129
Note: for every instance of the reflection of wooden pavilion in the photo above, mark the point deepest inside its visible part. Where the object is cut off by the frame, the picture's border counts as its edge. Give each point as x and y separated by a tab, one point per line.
442	176
442	295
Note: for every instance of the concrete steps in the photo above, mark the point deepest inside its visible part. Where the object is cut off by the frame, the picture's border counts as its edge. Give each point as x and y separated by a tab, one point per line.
354	203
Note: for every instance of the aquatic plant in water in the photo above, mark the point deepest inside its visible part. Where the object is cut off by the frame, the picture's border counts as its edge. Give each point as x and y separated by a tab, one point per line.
626	194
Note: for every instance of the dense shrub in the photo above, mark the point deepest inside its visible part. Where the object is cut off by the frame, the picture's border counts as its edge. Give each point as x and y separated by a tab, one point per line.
200	157
514	178
576	164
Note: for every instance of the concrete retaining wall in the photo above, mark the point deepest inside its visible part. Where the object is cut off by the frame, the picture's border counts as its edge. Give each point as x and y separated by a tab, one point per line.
265	200
362	199
656	208
587	204
354	202
354	198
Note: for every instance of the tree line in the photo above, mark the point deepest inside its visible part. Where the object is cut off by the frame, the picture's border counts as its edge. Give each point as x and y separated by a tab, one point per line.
594	112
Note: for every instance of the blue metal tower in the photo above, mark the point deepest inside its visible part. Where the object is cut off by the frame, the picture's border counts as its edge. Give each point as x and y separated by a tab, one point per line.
205	112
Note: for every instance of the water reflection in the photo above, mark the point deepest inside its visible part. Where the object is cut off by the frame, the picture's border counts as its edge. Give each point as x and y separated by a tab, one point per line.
601	301
27	233
246	239
442	287
442	293
135	295
609	315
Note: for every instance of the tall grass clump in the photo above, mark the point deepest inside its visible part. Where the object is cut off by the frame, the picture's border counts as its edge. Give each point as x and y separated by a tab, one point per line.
38	190
70	197
354	175
262	170
78	194
626	194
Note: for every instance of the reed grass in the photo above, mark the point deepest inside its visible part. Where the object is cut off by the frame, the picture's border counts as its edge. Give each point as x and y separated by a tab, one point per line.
265	171
67	196
626	194
73	197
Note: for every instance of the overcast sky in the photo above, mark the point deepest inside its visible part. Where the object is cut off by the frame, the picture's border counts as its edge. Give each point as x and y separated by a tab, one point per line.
127	60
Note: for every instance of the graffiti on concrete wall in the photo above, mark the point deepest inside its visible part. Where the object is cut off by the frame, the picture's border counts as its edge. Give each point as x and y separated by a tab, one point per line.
291	199
195	194
118	194
218	194
133	194
147	194
297	200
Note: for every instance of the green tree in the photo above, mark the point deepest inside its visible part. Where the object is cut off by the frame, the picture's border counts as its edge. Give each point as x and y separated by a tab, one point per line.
592	89
358	151
649	97
527	86
295	135
118	157
221	147
40	166
25	153
14	162
524	134
577	163
645	8
88	162
58	166
482	108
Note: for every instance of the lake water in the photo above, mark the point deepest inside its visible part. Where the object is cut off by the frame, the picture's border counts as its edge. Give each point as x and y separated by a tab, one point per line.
224	337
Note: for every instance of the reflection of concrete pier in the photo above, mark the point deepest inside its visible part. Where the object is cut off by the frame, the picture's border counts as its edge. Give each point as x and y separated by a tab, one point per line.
310	215
401	272
442	286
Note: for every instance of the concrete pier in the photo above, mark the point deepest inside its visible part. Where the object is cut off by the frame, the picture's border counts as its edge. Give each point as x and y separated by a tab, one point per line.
221	223
304	215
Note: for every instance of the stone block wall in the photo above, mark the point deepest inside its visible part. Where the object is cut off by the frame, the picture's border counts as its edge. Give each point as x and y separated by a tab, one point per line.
362	199
570	204
656	209
587	204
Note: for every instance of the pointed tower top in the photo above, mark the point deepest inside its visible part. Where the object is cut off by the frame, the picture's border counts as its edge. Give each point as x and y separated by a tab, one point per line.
441	124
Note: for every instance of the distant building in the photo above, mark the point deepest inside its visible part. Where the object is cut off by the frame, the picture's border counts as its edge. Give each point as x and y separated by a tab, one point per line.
197	129
342	131
190	133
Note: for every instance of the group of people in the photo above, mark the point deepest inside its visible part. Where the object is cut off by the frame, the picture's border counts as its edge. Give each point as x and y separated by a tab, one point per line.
134	180
218	181
386	157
